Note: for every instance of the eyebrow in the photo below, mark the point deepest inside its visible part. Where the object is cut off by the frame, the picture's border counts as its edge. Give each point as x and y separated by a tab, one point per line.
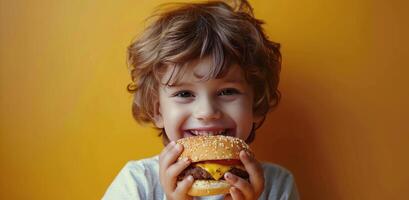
178	84
181	84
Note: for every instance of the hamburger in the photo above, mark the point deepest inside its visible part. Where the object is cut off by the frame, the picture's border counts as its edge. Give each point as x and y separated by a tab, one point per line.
212	157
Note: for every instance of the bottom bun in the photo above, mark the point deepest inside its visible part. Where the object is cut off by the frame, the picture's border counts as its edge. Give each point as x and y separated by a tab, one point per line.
209	187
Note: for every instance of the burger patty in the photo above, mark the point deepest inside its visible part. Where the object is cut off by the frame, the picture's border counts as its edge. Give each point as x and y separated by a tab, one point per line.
201	174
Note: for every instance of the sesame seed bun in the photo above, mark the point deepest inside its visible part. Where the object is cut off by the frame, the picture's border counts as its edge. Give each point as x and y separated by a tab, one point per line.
203	148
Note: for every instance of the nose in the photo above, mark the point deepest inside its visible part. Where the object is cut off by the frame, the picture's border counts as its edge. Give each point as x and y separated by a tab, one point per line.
206	110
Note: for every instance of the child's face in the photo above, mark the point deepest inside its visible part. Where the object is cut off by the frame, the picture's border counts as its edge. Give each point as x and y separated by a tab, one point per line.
193	107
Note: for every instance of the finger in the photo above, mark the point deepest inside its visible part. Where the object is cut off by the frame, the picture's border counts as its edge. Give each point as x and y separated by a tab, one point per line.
246	189
253	167
236	194
167	158
170	145
170	155
174	170
183	186
166	150
163	154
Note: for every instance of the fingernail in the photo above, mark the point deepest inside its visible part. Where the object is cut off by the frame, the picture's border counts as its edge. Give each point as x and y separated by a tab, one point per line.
178	147
229	175
186	160
190	178
246	155
172	143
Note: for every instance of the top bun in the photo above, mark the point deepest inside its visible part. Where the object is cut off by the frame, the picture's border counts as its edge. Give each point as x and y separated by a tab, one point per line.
219	147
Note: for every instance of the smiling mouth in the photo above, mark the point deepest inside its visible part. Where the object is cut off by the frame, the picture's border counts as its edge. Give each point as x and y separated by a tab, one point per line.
208	133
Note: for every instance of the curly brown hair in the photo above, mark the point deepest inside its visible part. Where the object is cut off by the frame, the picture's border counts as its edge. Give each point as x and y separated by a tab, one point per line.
228	33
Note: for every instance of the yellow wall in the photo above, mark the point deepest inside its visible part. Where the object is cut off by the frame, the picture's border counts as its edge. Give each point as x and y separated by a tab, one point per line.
66	126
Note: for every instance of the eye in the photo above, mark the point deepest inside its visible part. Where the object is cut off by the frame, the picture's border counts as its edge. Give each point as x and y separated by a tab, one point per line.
229	91
183	94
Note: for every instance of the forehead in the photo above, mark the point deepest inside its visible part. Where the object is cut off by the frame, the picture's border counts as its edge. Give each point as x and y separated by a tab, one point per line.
200	70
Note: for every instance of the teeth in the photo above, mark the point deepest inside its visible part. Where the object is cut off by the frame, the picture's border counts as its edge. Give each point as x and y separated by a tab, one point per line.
196	132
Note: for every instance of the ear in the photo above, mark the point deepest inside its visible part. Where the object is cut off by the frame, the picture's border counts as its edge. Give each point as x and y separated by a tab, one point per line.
157	115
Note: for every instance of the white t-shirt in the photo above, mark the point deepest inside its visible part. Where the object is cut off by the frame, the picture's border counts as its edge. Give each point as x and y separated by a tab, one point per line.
140	180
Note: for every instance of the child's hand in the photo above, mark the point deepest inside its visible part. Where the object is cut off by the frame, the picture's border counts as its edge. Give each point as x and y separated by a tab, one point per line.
170	168
242	189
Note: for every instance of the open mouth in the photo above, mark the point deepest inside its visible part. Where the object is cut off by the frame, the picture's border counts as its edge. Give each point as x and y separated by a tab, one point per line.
193	132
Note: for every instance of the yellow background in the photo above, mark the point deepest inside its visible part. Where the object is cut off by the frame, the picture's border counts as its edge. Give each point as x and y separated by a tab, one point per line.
65	116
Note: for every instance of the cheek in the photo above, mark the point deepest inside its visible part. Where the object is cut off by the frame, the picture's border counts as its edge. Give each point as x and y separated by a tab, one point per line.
244	123
242	108
173	118
242	114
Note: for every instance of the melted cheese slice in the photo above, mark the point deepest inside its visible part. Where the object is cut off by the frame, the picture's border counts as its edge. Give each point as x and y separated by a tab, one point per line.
215	170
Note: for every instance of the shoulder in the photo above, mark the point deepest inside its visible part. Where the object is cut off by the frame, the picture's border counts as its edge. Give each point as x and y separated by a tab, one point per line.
274	170
148	165
139	170
136	179
279	182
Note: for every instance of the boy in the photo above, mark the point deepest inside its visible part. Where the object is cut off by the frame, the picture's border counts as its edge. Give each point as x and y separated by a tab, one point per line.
203	69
